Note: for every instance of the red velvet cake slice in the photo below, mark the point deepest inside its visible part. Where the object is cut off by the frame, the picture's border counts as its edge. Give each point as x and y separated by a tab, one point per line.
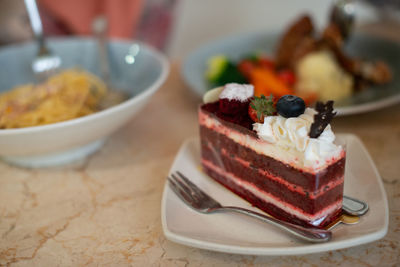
274	163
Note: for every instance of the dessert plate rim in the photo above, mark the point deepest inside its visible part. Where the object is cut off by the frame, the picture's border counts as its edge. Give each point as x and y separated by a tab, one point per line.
295	247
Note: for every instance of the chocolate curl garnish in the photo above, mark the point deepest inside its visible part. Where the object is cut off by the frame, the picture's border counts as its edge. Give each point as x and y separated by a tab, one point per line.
323	117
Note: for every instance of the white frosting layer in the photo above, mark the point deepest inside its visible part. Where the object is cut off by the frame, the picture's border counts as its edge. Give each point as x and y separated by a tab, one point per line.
291	135
235	91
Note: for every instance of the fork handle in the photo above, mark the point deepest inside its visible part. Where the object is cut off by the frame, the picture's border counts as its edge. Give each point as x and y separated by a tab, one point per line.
99	28
36	23
308	234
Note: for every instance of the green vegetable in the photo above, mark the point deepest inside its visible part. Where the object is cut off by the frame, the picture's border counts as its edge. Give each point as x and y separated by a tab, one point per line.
216	65
221	71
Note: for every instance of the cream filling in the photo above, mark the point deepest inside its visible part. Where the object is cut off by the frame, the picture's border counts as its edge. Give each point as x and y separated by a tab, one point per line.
295	188
314	219
291	157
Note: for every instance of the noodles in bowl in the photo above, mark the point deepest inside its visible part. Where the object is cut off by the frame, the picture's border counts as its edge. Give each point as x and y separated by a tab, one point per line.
61	126
72	93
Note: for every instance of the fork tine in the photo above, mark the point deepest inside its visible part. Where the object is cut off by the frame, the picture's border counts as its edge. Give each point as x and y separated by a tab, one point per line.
192	185
187	188
181	183
185	197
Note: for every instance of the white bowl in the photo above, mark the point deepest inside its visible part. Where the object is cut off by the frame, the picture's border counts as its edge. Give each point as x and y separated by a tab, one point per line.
136	68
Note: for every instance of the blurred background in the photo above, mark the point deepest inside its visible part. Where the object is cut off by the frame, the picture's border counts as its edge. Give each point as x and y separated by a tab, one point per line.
147	20
179	26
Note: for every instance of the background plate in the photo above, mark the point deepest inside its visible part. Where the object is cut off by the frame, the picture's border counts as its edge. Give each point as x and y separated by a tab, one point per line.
361	46
233	233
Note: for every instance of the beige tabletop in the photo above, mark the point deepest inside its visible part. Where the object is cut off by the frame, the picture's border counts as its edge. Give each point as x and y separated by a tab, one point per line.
106	210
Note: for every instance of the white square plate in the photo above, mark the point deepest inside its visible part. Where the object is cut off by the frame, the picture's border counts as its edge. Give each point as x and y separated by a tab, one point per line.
233	233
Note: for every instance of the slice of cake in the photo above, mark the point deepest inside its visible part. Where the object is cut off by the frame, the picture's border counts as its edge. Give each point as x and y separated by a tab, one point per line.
286	164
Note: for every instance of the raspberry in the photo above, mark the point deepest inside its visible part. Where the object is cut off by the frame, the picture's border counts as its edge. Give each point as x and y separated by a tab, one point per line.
233	107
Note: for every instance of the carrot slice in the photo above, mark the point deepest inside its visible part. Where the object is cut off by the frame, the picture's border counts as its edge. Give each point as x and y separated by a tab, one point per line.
266	82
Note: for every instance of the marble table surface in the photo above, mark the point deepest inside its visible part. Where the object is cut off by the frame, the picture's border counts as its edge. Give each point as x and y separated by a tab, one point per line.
106	210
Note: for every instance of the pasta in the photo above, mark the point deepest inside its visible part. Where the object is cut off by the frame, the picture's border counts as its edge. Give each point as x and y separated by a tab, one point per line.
70	94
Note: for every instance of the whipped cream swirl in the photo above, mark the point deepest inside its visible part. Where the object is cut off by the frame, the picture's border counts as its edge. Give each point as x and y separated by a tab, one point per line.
292	134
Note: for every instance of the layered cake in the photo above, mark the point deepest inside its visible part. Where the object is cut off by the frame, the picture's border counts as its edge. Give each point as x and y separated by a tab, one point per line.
276	154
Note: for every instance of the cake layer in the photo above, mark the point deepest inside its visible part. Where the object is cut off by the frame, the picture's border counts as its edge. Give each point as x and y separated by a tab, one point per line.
271	205
297	178
310	202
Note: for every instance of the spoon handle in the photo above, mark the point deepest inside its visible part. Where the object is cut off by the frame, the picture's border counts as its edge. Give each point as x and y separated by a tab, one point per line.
354	207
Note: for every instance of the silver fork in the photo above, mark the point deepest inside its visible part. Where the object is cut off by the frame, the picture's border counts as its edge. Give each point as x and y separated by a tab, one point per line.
197	199
45	62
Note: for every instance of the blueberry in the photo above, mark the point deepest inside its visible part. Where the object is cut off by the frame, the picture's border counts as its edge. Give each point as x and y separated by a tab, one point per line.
290	106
